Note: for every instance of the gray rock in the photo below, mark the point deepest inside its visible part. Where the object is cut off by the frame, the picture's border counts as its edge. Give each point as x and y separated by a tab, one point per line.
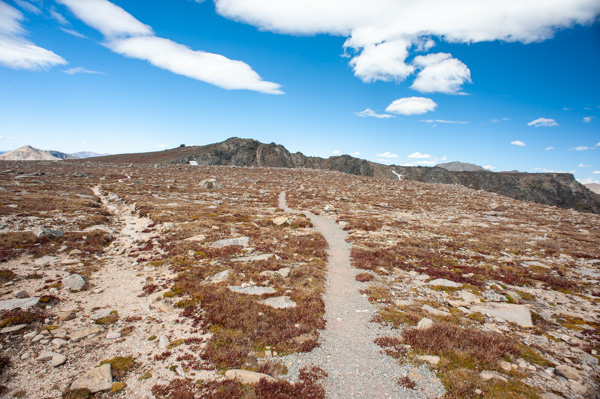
210	183
567	372
493	296
20	294
424	323
25	303
589	359
506	366
252	290
279	302
100	314
59	343
25	356
442	282
113	335
74	282
488	375
97	379
280	221
86	332
550	395
58	360
253	258
220	277
428	359
44	356
247	377
241	241
519	314
59	333
43	232
66	316
163	341
435	312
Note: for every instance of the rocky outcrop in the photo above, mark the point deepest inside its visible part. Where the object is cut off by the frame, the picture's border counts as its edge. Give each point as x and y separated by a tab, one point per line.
460	167
558	189
28	153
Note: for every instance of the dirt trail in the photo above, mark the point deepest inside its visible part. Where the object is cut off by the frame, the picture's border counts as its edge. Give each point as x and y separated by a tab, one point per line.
356	367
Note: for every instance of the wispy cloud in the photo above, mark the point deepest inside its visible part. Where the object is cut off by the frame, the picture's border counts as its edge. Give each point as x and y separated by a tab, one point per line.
589	180
27	6
544	122
443	121
518	143
17	52
584	166
370	113
418	155
588	119
597	172
127	36
499	120
73	33
549	148
58	17
336	152
581	148
489	167
355	154
411	106
387	154
73	71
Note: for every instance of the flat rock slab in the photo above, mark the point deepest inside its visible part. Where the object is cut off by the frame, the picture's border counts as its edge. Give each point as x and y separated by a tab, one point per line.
77	335
442	282
199	237
279	302
10	329
97	379
241	241
518	314
23	303
220	277
247	377
74	282
252	290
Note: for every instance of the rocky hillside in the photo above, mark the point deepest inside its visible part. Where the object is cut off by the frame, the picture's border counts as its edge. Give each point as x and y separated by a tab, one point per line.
28	153
460	167
558	189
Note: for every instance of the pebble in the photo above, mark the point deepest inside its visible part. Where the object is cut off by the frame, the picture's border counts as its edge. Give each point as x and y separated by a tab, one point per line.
59	343
113	335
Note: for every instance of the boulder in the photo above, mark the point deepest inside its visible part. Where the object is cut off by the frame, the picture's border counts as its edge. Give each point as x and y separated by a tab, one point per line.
74	282
519	314
442	282
86	332
241	241
567	372
247	377
10	329
424	324
280	221
43	232
488	375
220	277
97	379
279	302
24	303
210	183
428	359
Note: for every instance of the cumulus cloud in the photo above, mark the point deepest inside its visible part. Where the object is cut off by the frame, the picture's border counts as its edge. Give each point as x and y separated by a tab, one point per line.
418	155
355	154
580	148
596	172
411	106
73	71
336	152
549	148
543	122
588	119
489	167
584	166
443	121
518	143
387	154
381	33
127	36
370	113
16	51
589	180
440	73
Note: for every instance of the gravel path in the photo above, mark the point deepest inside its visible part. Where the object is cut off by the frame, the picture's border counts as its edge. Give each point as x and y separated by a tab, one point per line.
356	367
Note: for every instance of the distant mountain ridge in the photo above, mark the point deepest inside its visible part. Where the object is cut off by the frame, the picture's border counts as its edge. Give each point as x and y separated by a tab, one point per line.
29	153
460	167
558	189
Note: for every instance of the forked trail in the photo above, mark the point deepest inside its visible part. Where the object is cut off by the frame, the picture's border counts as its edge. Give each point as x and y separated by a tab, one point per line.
354	363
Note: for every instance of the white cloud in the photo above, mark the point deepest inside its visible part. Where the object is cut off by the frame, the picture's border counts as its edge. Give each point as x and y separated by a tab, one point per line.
73	71
58	17
418	155
597	172
580	148
543	122
589	180
27	6
549	148
382	32
499	120
355	154
567	109
161	146
16	51
370	113
387	154
127	36
73	33
489	167
440	73
411	106
597	145
584	166
544	170
588	119
336	152
518	143
443	121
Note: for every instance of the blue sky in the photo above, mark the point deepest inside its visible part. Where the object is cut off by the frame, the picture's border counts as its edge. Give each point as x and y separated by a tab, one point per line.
505	85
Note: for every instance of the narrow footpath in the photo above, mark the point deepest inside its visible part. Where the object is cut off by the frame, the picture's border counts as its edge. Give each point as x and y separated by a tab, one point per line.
347	352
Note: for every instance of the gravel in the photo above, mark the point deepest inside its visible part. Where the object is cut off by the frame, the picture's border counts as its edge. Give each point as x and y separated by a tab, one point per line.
355	365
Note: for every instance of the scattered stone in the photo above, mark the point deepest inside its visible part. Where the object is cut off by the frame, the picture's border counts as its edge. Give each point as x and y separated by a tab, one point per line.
247	377
280	221
97	379
220	277
442	282
506	366
100	314
240	241
10	329
59	343
279	302
199	237
163	341
21	294
86	332
210	183
30	335
429	359
66	316
74	282
435	312
252	290
424	324
469	297
58	360
25	303
577	388
487	375
60	333
568	372
25	356
113	335
253	258
519	314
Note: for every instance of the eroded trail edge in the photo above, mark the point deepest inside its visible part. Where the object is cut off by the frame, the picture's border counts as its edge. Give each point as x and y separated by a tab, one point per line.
354	363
